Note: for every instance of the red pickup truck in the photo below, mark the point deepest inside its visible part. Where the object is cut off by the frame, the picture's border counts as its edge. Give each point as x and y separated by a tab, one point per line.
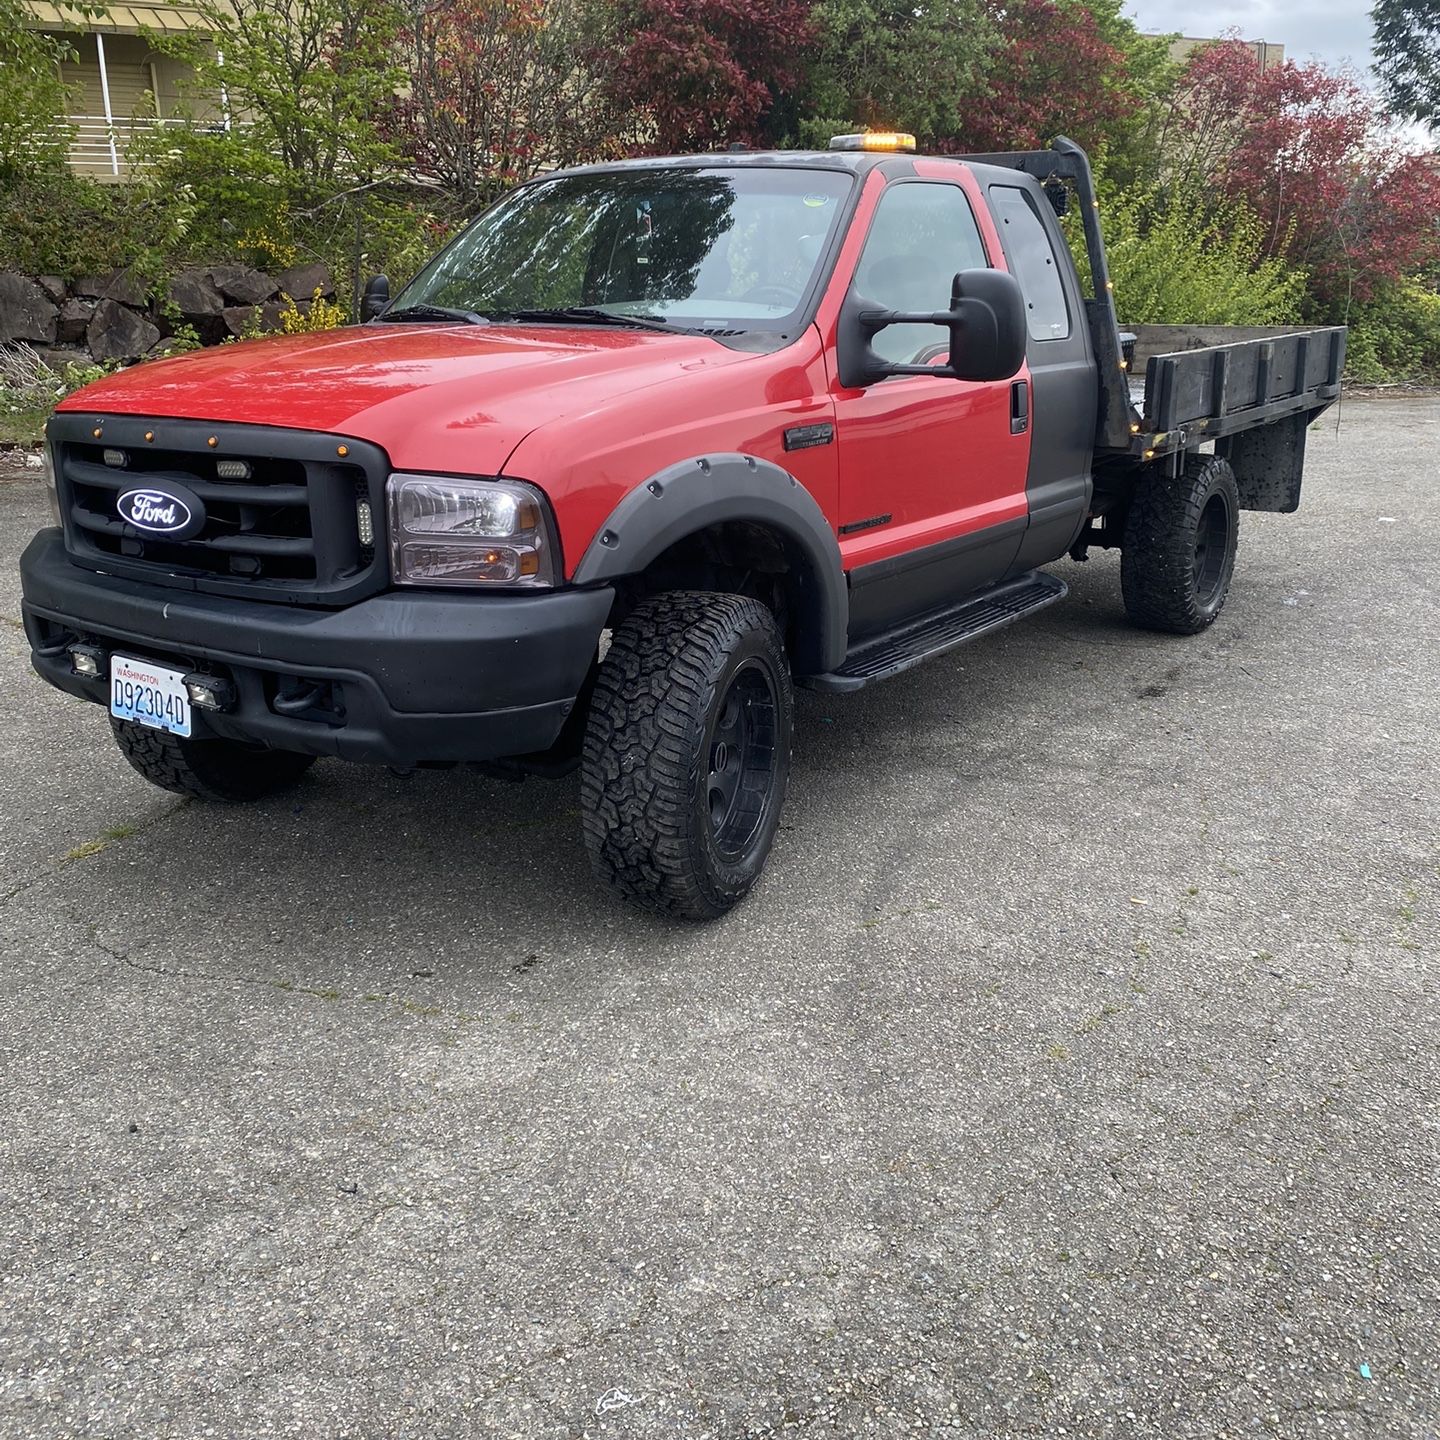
645	445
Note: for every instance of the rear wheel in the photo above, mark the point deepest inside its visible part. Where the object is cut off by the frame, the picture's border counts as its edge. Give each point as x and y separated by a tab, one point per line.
687	751
1180	542
219	770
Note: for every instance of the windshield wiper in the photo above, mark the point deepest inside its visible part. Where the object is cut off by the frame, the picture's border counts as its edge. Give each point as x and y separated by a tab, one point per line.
593	315
434	312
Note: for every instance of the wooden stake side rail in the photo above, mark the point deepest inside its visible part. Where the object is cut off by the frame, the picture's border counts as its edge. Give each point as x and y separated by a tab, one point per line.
1195	395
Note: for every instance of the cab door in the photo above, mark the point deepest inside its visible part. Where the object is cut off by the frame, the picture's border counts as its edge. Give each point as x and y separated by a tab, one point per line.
931	471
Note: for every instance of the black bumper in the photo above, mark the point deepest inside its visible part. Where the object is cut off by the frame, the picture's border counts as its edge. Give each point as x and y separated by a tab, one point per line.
398	679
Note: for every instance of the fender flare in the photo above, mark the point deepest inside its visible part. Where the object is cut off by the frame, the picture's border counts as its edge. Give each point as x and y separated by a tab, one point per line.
693	495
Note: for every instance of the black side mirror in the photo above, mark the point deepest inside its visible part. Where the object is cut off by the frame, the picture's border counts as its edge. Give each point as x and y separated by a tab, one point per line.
987	339
377	297
986	320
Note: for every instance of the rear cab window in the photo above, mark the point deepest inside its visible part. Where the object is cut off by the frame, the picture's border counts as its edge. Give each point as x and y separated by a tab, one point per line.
1032	258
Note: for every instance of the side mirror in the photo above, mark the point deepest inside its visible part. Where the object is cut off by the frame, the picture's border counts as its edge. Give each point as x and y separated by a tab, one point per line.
987	340
986	320
376	298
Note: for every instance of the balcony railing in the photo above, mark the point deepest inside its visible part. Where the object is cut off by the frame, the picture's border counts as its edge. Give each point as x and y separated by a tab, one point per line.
101	147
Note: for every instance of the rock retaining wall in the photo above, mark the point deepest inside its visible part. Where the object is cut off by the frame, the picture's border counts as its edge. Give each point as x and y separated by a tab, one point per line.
118	317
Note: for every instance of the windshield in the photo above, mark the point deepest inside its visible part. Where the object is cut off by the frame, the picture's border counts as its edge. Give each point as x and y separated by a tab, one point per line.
732	249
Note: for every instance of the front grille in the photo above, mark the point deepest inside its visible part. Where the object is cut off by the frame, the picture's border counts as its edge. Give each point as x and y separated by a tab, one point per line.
289	530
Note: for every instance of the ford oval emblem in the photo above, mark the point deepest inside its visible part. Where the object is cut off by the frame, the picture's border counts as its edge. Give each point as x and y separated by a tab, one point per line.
170	510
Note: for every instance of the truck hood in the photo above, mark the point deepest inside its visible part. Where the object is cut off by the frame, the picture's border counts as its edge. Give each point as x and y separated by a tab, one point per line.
452	398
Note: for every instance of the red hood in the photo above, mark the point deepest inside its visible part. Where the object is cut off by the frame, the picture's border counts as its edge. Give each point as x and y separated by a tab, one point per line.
455	398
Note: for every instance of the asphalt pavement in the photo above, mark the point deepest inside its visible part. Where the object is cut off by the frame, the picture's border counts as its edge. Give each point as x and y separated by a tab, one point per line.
1072	1072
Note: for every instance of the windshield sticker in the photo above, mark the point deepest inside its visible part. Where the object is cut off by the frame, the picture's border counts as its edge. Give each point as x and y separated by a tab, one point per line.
817	202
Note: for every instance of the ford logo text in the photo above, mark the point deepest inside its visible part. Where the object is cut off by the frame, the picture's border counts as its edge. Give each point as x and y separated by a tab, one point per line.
162	512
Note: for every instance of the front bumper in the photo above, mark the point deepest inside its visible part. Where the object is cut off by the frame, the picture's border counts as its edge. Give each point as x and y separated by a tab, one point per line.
402	678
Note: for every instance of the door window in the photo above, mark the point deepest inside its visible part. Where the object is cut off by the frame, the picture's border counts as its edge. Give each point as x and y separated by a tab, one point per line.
922	234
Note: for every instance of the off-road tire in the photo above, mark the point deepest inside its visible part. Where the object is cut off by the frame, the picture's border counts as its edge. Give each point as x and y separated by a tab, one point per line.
662	697
223	771
1175	566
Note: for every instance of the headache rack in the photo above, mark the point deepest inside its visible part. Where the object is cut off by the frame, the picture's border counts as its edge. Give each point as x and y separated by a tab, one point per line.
289	515
1215	392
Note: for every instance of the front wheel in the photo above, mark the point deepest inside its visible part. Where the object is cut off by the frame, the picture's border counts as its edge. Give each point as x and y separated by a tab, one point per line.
219	770
1180	541
687	751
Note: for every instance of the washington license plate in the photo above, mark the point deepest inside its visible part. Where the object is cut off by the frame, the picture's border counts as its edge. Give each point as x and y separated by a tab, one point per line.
149	694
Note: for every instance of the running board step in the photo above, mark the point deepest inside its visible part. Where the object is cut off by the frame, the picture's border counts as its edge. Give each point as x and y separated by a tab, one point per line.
880	656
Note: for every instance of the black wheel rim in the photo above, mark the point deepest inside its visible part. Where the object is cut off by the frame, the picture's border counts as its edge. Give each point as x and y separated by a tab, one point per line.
1212	544
741	760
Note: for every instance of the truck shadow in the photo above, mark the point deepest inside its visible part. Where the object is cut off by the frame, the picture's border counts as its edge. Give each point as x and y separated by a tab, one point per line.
361	871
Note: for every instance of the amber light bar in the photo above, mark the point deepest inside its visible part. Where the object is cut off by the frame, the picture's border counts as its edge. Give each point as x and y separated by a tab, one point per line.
890	140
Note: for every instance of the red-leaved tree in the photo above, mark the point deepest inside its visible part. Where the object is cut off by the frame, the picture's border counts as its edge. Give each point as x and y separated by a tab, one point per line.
703	73
1308	152
499	89
1054	71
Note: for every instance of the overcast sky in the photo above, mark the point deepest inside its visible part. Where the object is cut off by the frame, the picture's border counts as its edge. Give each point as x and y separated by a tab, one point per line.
1335	31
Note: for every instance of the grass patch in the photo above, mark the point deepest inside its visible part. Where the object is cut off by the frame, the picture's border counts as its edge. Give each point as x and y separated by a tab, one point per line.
24	425
1095	1021
929	907
106	838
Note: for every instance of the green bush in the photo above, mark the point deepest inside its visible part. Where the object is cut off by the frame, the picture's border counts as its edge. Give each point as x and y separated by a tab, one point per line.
34	133
1175	262
240	202
206	199
56	223
1396	337
233	191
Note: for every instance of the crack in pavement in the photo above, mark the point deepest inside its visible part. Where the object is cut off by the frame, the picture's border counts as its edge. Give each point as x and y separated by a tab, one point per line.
280	986
397	1004
71	857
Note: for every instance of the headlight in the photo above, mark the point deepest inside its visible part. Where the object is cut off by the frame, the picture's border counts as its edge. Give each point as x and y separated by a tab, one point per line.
469	532
52	495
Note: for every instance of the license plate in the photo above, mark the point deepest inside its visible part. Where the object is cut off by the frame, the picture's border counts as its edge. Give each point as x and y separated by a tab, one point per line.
149	694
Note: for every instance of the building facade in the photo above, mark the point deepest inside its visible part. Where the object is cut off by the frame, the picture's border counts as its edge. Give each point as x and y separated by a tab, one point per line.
119	83
1267	55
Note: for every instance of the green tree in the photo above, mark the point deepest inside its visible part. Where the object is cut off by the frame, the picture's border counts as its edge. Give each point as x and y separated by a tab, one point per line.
295	162
897	64
306	80
1407	57
1144	80
34	133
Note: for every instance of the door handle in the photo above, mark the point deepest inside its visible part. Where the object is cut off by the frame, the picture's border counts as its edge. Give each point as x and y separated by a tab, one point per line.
1019	407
